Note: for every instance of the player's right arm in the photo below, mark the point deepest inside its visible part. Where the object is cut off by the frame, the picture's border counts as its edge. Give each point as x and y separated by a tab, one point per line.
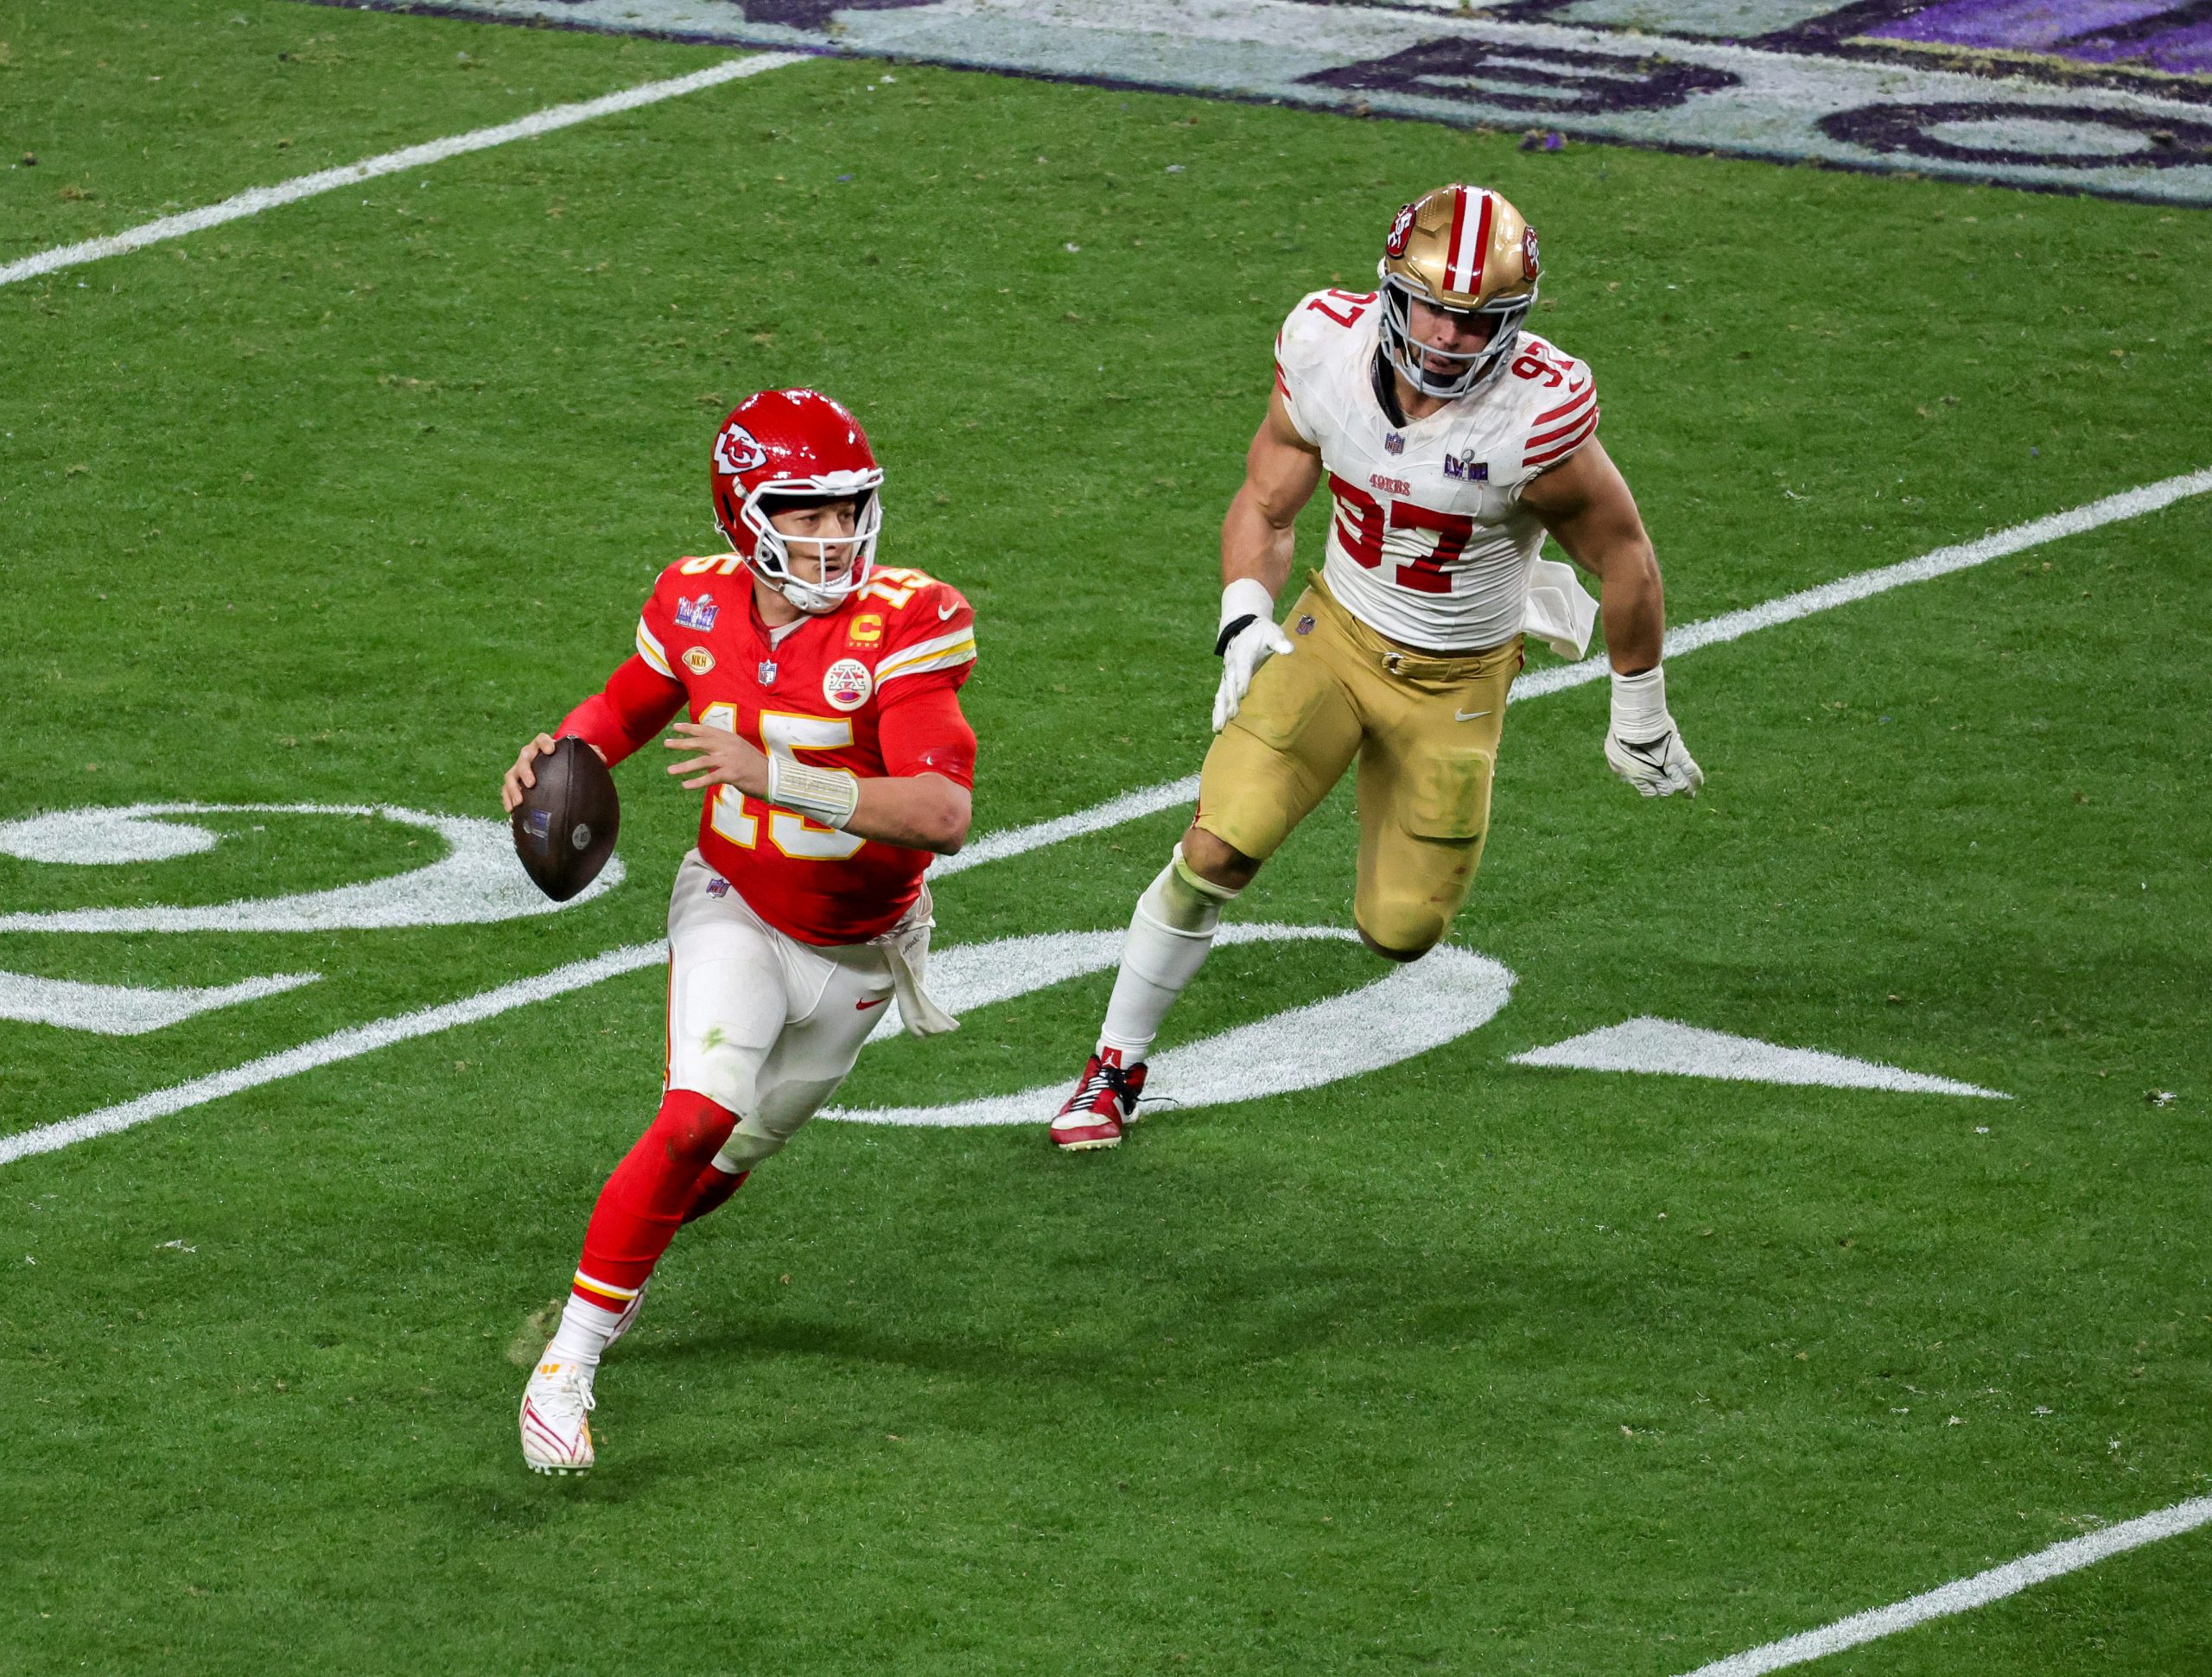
637	701
1281	471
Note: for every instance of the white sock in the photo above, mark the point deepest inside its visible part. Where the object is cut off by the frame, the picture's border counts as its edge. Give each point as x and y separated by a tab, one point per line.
1167	941
583	1333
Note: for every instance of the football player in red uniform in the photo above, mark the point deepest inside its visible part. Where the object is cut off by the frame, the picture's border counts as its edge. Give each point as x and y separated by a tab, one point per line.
1453	442
825	731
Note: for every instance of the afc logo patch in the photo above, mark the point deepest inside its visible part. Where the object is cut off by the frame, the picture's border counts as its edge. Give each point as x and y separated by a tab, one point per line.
737	450
866	630
698	613
1401	232
1466	467
847	684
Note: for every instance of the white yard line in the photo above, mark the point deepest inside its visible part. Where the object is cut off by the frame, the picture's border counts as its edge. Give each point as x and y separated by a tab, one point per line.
323	1051
1130	806
258	199
1962	1594
1731	626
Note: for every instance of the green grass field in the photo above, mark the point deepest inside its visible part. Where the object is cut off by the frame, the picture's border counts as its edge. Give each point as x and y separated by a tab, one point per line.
1457	1366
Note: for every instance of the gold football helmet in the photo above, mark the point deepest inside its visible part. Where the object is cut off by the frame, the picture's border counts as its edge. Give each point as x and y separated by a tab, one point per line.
1467	250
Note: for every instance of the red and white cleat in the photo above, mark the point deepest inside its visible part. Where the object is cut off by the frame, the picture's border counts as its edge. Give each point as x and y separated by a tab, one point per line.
557	1407
1103	1103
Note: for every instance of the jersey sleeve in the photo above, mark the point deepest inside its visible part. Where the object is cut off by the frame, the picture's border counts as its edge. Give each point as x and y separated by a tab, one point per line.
922	731
1300	348
929	641
635	705
1562	405
643	692
657	622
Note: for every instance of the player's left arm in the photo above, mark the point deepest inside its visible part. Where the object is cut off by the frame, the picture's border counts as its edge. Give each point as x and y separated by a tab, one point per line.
1585	504
926	807
921	800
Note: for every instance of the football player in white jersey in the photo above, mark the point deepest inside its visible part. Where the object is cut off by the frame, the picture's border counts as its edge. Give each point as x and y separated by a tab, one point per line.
1453	442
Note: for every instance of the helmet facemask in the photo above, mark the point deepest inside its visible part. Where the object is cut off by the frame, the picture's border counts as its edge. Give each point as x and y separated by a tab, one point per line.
1476	367
772	554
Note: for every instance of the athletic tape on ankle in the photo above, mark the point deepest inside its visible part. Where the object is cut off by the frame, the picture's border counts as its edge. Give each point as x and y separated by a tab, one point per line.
829	796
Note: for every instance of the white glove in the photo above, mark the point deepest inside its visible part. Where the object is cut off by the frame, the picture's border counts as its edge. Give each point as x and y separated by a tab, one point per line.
1644	744
1249	639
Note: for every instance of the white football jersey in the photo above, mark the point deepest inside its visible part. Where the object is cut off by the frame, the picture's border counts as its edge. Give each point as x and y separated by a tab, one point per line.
1429	543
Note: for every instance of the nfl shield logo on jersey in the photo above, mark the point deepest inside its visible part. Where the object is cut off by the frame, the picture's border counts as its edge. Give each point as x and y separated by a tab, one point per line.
1393	443
698	613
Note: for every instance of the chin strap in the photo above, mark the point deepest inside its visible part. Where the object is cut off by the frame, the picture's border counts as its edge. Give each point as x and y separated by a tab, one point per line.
1386	385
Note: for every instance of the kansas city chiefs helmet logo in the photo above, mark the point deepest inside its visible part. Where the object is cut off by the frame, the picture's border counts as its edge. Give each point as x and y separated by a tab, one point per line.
1400	230
1530	268
737	450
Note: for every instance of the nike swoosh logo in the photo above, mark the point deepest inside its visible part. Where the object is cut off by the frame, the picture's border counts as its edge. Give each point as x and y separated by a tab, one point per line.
947	610
862	1006
1467	715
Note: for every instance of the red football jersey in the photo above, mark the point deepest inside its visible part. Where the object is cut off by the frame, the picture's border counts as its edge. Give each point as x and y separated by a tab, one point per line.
866	688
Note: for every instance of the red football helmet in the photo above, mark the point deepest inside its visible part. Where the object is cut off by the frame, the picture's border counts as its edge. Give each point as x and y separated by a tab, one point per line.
796	445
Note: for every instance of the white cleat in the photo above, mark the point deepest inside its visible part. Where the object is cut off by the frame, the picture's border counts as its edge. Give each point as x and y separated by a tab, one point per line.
557	1407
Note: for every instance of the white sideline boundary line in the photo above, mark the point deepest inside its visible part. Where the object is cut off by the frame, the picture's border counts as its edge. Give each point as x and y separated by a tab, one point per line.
1962	1594
258	199
1018	840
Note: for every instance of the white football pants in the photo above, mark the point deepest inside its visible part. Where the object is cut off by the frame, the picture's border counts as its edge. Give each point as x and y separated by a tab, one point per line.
758	1022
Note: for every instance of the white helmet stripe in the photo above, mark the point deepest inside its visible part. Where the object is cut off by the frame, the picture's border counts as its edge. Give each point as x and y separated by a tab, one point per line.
1459	226
1469	257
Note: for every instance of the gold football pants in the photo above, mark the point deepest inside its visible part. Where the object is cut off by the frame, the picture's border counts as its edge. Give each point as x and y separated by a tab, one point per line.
1426	732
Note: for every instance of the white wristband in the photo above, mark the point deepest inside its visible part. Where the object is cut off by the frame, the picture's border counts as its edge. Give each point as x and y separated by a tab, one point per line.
1246	597
1640	706
829	796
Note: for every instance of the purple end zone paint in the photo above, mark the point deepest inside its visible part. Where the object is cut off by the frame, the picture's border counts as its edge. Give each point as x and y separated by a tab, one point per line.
2184	51
2088	31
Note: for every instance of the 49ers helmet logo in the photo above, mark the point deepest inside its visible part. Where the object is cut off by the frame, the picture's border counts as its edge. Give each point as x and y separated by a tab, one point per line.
1530	268
1400	230
737	450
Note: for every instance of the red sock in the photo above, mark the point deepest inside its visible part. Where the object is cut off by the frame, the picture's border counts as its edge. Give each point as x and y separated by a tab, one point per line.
647	1196
714	1187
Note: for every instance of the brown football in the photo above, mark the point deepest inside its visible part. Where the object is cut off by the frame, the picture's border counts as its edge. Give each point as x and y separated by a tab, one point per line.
565	825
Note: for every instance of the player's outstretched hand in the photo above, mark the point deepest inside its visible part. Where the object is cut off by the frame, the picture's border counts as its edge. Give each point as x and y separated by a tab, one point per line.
1643	744
1243	650
723	758
522	777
